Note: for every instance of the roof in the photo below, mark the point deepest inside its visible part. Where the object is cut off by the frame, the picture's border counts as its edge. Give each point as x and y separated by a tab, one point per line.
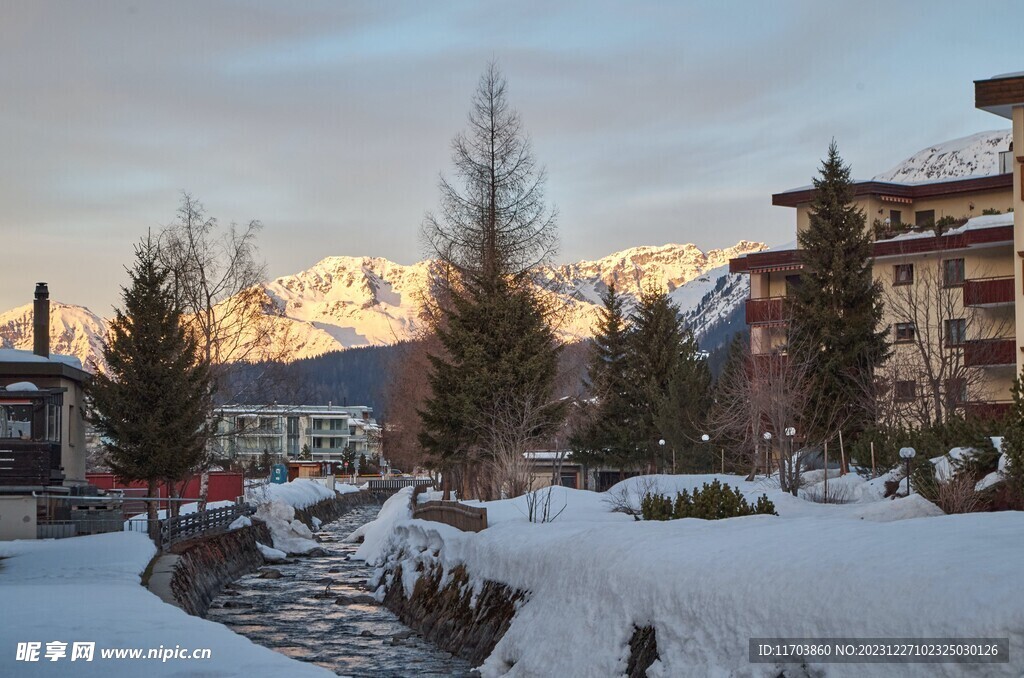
275	408
21	363
916	191
999	94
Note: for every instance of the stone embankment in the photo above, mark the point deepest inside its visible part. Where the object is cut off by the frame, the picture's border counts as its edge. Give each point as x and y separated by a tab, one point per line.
192	573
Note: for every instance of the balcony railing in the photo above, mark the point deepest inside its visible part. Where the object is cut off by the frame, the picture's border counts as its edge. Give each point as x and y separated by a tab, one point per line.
767	310
990	352
988	291
988	410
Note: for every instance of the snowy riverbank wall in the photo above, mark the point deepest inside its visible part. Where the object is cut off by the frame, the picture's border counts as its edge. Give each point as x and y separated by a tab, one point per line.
201	567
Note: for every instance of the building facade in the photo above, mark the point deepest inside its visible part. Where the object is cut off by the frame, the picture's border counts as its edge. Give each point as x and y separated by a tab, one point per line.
949	256
329	432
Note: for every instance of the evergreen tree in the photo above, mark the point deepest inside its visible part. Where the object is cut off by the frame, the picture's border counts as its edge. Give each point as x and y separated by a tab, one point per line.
493	228
682	413
151	407
837	307
607	436
669	380
498	348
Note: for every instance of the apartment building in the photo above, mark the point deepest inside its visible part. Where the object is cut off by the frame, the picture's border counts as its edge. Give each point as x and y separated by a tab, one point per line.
329	431
949	254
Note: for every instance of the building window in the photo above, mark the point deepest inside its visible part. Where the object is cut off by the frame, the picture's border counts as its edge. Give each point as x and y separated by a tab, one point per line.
905	332
895	218
956	332
924	219
956	392
902	274
792	285
906	390
952	272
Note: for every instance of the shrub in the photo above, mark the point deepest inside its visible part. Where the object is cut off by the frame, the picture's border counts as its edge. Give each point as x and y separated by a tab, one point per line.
990	210
715	501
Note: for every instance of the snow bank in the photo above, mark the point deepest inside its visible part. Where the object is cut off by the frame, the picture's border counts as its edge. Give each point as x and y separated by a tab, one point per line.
708	586
270	554
300	493
86	589
376	534
290	535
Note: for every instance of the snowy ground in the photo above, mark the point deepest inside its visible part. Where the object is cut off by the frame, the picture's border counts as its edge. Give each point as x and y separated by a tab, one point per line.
870	568
87	589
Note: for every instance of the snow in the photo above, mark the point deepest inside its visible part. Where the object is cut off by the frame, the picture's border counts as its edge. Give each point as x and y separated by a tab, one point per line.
290	534
14	355
299	493
974	155
22	386
270	554
87	589
375	535
816	570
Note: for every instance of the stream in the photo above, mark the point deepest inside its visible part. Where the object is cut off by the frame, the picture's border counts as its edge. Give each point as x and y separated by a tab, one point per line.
293	616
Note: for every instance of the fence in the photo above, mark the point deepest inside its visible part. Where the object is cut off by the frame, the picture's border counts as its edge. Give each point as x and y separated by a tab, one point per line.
180	528
395	484
465	518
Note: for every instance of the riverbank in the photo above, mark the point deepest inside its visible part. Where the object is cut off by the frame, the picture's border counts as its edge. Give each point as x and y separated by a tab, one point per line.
602	594
293	612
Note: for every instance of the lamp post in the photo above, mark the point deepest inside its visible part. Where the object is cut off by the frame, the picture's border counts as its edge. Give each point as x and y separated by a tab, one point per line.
791	434
768	453
908	453
661	444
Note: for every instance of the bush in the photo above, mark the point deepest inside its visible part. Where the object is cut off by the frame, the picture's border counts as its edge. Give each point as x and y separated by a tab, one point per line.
929	441
713	502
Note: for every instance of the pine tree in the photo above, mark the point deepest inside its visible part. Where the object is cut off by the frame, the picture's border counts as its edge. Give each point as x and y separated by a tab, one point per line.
607	437
492	229
498	348
837	308
682	412
667	379
151	407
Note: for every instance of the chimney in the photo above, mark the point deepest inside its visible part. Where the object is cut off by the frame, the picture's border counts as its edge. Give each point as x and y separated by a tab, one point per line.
41	321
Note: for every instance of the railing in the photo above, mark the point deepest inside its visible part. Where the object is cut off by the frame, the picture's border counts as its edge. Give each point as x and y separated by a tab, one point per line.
766	310
395	484
988	410
190	525
460	516
988	291
990	352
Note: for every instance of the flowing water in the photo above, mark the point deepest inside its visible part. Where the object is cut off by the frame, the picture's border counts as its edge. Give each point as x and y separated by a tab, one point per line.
296	616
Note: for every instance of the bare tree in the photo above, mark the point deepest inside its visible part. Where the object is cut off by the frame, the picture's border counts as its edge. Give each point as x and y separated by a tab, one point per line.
496	222
508	433
772	394
216	277
926	379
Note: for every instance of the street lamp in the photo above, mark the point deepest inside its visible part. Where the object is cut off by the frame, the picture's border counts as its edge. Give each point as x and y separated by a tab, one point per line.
767	453
908	453
661	444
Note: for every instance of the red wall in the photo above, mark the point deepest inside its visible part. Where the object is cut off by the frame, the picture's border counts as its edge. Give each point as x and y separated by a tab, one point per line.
224	485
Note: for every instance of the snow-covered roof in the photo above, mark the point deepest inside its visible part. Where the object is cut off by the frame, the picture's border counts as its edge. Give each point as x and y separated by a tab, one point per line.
17	355
548	455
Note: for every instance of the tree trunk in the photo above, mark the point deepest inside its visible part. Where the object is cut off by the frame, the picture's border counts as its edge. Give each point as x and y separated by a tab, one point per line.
151	511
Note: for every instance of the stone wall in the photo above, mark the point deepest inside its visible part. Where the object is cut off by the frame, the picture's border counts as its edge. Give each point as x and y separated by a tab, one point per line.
444	616
206	564
332	509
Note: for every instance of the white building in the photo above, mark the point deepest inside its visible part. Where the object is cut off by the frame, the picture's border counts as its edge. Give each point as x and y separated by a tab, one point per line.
330	431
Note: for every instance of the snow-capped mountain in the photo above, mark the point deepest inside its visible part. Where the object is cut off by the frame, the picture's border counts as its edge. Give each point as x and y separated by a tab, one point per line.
974	155
344	302
74	330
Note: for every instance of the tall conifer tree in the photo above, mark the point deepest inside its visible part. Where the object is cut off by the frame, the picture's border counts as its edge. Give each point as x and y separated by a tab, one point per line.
151	407
837	307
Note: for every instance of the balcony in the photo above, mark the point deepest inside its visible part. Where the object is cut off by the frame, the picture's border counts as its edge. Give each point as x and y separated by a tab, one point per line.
988	292
987	410
990	352
765	311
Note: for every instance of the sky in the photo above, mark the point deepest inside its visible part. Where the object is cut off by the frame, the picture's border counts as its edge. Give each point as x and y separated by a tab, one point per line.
331	122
